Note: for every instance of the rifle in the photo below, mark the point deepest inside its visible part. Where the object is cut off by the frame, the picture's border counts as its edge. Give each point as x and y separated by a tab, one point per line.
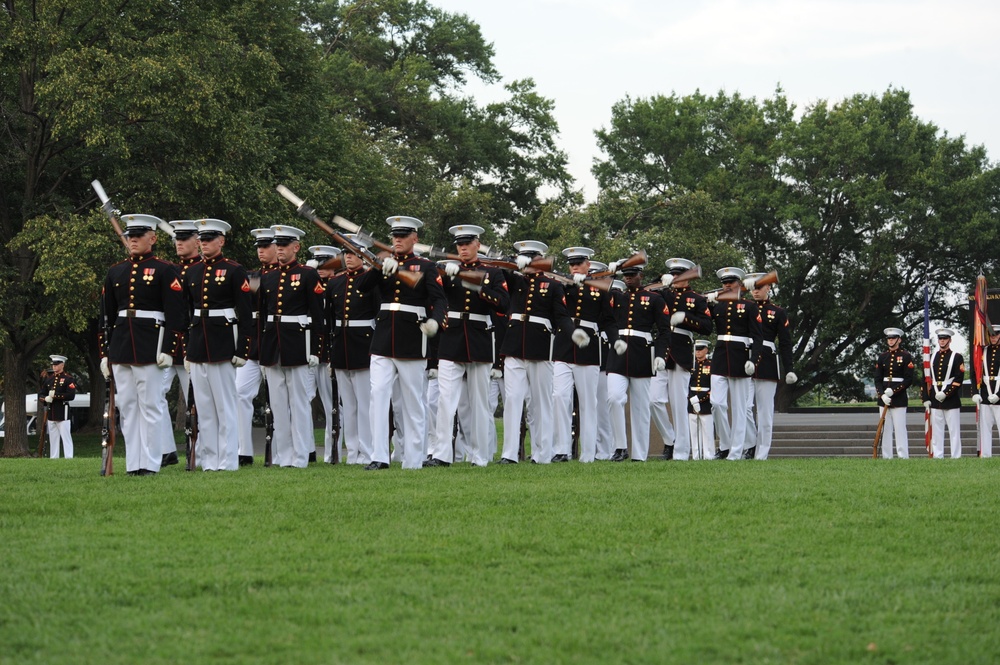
637	259
110	211
769	278
44	427
878	432
108	428
686	276
268	422
335	419
190	429
410	278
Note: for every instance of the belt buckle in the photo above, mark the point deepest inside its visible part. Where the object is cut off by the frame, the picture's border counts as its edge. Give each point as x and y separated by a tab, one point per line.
130	313
394	307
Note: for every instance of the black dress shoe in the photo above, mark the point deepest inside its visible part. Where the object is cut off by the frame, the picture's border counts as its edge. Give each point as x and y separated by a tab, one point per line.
436	462
376	466
246	460
132	473
504	460
749	453
312	456
721	454
169	459
620	455
560	458
148	472
668	452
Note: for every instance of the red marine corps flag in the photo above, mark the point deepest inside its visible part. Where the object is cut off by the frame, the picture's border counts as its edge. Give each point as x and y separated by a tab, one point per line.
981	328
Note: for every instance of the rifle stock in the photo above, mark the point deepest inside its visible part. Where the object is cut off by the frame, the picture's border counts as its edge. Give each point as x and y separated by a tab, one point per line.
44	428
268	423
686	276
191	430
335	418
108	429
637	259
878	432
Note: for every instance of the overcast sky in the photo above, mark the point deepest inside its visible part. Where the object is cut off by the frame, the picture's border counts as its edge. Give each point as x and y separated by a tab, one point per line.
588	54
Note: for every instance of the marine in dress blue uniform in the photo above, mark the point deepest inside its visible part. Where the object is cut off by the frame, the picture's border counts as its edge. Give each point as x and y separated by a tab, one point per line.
58	389
689	315
537	311
638	354
322	376
700	404
577	358
945	396
218	340
144	303
351	315
988	397
894	371
248	376
408	316
290	320
737	349
776	341
466	351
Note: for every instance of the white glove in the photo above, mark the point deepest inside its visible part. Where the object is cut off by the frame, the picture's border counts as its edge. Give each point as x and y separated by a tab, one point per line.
496	373
580	337
621	346
429	328
749	283
886	400
238	362
313	361
659	364
667	279
977	398
432	373
187	365
105	368
712	296
749	367
994	399
163	361
579	278
695	402
48	399
390	266
676	318
451	269
312	263
522	261
613	266
940	396
791	378
927	404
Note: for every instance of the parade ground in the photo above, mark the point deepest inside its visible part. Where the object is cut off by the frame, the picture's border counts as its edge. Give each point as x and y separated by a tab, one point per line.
793	560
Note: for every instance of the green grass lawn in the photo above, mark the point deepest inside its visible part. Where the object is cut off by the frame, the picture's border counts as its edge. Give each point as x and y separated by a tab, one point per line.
787	561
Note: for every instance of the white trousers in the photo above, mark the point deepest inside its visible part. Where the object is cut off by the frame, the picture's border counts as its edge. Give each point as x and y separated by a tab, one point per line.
472	379
605	440
355	389
895	423
291	414
247	386
623	389
702	435
218	445
167	443
583	378
939	418
411	411
324	388
59	431
532	380
760	434
989	417
497	388
142	404
678	383
728	390
659	398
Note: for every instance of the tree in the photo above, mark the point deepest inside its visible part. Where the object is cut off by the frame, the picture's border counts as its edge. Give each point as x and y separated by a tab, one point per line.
855	204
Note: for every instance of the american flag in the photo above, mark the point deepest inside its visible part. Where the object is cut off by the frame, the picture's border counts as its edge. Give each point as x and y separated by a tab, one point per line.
927	366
